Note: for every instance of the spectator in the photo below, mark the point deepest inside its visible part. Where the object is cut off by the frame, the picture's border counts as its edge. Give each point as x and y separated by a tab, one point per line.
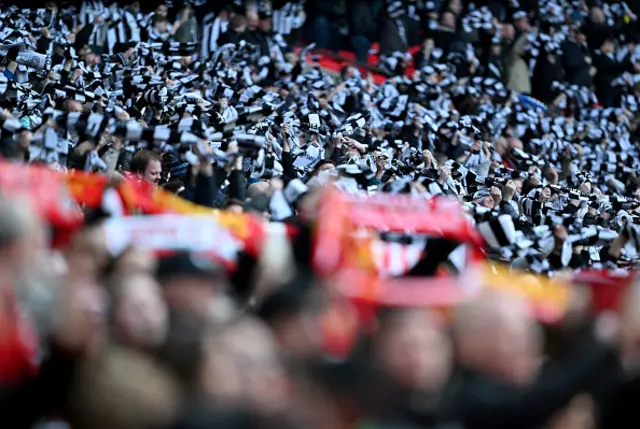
548	70
446	37
147	165
362	28
495	67
394	28
608	68
576	60
517	69
501	385
236	32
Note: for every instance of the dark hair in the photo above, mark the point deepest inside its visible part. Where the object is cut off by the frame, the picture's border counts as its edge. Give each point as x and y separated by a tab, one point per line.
238	21
141	160
157	19
322	162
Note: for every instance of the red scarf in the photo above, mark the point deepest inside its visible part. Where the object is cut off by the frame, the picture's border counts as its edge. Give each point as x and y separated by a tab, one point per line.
18	342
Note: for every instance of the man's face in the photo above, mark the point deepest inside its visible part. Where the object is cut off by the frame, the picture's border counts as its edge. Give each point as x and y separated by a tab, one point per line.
265	24
162	11
161	26
608	47
252	20
90	59
75	106
153	171
448	20
522	24
455	6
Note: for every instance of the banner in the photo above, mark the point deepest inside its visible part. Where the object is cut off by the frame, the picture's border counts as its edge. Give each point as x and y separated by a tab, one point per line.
347	229
172	232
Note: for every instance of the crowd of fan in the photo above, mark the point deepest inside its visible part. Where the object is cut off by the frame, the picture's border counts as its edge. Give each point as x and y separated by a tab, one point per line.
524	111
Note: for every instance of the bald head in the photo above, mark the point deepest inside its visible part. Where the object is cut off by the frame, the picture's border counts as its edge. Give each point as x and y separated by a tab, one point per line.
253	20
596	15
495	334
258	188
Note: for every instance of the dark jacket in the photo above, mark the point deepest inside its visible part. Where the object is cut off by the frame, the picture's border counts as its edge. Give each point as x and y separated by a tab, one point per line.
544	75
390	40
608	70
230	36
24	405
482	402
576	67
361	19
261	39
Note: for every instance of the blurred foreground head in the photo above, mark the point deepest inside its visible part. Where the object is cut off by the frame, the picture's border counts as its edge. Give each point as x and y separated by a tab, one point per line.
139	312
195	284
22	240
122	389
413	349
242	369
496	335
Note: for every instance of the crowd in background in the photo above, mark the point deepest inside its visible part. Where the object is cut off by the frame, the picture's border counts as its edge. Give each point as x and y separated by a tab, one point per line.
525	112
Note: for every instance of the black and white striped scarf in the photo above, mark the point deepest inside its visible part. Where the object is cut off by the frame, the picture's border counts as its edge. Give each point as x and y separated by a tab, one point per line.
212	28
89	11
288	18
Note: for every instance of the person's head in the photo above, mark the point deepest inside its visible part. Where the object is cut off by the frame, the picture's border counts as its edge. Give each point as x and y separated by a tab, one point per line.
253	21
413	349
347	72
72	106
508	32
290	313
596	15
160	24
440	158
22	240
91	59
266	22
122	388
323	166
521	21
579	35
140	313
259	205
501	146
586	188
148	165
448	20
608	46
455	7
162	10
495	334
192	283
242	368
239	23
258	188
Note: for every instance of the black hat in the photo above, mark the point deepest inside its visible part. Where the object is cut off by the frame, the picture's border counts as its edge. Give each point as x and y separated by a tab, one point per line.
187	264
265	14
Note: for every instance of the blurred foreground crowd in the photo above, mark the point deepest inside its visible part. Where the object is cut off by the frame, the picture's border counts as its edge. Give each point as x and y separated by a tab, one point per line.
524	112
